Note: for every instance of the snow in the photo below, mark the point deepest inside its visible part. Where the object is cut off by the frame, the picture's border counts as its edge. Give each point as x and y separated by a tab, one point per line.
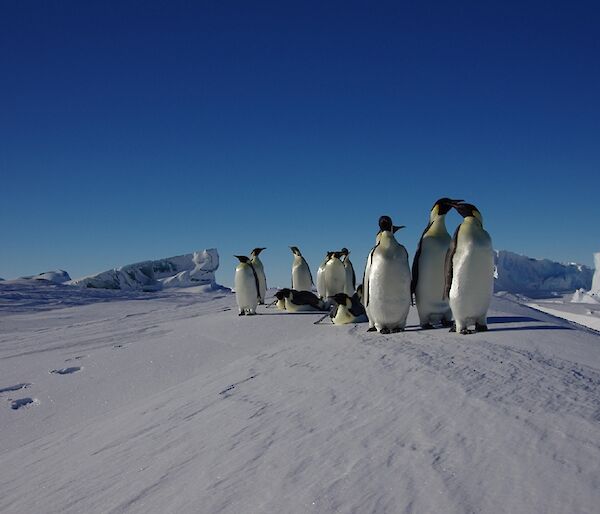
535	277
170	402
192	269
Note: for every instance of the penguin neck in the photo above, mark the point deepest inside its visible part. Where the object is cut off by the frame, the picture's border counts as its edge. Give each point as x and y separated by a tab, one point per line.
438	224
472	221
387	239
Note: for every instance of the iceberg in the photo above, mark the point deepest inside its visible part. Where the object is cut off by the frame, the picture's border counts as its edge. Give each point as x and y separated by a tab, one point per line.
534	277
193	269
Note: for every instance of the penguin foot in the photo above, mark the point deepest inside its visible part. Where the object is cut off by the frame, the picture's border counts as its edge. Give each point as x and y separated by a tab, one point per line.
398	329
426	326
372	329
385	330
466	331
242	313
452	328
446	323
480	328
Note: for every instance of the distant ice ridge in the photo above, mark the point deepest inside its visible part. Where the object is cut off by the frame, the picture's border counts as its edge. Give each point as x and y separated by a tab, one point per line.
596	280
192	269
57	277
520	274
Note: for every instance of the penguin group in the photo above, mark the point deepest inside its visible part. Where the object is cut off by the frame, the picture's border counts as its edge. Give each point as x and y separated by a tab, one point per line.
450	281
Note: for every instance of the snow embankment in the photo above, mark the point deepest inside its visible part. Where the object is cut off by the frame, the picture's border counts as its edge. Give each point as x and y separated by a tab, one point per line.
524	275
193	269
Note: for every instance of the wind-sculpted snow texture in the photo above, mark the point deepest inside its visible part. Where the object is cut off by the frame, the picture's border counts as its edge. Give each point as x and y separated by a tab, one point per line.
179	405
192	269
535	277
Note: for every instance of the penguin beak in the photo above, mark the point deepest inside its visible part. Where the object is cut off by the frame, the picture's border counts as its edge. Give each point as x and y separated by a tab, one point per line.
398	227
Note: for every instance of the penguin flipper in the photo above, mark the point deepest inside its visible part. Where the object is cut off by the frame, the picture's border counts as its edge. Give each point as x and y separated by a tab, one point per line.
309	272
255	280
415	266
366	276
448	265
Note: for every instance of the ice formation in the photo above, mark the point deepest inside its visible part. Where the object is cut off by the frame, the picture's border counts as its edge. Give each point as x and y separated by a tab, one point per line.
192	269
57	277
521	274
596	280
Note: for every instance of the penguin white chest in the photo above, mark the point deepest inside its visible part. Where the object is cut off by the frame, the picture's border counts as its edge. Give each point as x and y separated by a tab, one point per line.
430	285
389	287
334	277
472	275
245	289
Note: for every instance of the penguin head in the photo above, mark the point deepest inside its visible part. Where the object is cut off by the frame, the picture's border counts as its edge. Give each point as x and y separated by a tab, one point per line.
385	223
468	209
283	293
337	255
242	258
443	206
342	299
295	250
359	291
256	252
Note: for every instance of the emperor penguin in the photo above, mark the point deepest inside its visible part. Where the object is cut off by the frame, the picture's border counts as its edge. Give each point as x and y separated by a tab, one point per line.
334	275
321	276
246	286
260	272
350	286
386	288
298	301
301	278
470	272
347	310
428	277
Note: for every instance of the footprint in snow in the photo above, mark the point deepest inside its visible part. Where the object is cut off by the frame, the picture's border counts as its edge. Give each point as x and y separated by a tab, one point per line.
15	387
23	402
66	371
77	358
117	346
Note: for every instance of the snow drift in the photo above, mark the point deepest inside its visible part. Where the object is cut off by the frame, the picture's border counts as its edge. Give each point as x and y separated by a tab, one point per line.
192	269
520	274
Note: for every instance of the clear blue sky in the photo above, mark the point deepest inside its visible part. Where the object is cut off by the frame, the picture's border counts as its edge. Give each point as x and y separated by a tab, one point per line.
138	130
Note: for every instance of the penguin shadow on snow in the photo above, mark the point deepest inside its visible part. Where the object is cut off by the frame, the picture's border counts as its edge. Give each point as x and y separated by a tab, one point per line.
65	371
499	320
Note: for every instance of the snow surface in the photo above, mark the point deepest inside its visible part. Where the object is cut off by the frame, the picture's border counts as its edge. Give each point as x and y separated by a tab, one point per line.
535	277
170	402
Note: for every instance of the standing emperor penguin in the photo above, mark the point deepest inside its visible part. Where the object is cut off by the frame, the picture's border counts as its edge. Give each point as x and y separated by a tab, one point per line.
386	288
350	287
301	277
428	278
470	272
321	276
260	272
334	275
246	286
